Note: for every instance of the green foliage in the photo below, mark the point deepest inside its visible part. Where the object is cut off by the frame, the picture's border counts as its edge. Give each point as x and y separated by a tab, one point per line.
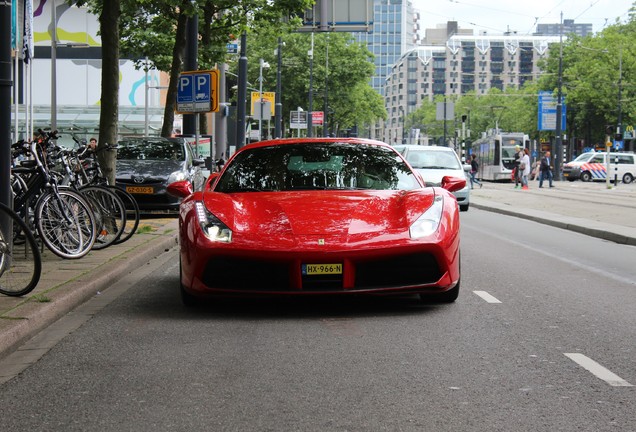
341	65
598	73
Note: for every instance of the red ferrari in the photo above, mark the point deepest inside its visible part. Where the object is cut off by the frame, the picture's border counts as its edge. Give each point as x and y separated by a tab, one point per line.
313	216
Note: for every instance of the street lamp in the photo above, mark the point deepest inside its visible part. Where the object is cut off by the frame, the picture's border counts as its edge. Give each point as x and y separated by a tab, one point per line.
262	64
54	45
148	87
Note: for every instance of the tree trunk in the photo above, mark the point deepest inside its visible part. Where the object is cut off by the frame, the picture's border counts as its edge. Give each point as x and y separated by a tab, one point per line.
109	114
178	53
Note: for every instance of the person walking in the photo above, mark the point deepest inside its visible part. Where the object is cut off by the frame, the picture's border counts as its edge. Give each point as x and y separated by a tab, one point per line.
524	168
517	171
474	168
545	170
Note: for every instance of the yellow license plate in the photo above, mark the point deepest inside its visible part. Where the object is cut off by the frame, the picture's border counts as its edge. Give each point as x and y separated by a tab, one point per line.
140	189
321	269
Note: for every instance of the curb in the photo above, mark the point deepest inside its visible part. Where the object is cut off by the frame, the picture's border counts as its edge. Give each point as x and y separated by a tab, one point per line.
83	288
581	226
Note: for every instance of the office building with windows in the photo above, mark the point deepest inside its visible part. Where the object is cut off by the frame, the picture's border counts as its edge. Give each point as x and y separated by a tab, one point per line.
464	64
395	31
569	27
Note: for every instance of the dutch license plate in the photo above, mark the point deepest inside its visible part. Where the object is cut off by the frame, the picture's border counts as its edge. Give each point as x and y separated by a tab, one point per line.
321	269
139	189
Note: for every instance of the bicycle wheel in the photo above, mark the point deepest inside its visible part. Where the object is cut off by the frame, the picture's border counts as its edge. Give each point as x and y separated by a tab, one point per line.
20	261
66	223
133	215
111	211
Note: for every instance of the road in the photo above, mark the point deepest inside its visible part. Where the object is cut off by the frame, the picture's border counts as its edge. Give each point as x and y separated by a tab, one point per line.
540	339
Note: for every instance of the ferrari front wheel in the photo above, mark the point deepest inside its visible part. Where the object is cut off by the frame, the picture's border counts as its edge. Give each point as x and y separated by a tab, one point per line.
187	299
446	297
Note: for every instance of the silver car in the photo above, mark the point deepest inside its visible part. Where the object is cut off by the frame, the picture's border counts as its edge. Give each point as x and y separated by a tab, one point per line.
435	162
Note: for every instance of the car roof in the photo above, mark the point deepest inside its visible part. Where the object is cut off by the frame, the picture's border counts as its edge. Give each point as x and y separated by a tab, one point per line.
422	147
317	140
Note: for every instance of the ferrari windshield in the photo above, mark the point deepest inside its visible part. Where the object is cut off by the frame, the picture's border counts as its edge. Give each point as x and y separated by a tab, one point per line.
309	166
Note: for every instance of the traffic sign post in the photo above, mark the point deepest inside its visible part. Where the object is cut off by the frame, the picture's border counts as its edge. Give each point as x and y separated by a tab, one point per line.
197	91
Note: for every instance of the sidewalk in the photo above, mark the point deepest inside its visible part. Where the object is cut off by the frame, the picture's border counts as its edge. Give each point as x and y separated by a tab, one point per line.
65	284
588	208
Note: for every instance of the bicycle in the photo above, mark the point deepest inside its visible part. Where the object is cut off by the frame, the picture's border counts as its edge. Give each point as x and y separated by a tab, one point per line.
108	207
61	217
90	173
20	259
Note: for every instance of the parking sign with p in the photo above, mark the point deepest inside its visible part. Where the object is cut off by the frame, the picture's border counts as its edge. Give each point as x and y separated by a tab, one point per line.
197	92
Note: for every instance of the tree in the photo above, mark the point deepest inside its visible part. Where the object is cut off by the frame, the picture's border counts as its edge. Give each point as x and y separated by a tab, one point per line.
108	13
153	28
343	80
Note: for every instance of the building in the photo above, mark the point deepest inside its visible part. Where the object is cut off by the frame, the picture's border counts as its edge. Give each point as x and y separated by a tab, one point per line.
67	78
464	64
569	27
442	32
395	31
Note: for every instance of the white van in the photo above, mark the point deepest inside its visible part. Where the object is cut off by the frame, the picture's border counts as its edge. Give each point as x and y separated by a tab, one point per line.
592	166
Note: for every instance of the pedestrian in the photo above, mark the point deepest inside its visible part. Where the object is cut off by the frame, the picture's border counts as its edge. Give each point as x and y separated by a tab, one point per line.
517	171
524	168
92	144
474	168
545	170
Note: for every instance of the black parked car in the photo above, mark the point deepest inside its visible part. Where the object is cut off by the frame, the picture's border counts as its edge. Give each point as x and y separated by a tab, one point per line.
147	165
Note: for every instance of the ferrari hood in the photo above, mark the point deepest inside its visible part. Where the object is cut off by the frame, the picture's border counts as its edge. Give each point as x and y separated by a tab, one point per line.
319	212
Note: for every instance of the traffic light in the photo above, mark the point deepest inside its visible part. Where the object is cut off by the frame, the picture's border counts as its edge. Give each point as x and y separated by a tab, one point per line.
618	136
609	129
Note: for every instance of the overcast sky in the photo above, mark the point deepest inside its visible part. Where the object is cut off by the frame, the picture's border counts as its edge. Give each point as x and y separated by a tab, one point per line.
499	16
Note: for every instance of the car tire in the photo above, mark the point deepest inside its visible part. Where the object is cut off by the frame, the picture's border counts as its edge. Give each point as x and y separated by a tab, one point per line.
187	299
446	297
571	179
463	207
586	176
628	178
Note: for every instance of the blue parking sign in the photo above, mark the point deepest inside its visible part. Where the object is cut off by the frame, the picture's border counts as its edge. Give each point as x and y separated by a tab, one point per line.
196	92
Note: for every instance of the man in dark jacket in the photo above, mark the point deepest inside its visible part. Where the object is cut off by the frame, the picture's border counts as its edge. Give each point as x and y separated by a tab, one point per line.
545	170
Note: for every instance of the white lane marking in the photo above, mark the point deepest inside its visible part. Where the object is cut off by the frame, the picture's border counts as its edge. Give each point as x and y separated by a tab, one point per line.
598	370
489	298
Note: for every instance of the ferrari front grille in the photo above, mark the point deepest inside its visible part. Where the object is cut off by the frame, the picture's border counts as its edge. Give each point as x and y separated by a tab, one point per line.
405	270
246	274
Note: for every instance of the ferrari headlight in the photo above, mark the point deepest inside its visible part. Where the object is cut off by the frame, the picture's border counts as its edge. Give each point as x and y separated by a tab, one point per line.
429	221
212	226
176	176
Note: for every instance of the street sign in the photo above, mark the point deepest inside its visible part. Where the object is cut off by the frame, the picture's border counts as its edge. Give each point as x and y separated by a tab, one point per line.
267	97
317	118
298	119
197	91
231	48
548	109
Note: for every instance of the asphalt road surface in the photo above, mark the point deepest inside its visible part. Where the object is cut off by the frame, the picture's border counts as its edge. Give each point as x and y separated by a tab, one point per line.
542	338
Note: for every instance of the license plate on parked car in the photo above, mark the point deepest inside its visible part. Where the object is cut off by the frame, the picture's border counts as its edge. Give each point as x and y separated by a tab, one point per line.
321	269
139	189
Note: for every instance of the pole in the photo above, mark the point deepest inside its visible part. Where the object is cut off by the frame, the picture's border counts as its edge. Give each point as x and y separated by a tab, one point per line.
241	98
557	155
325	128
5	111
53	67
191	64
310	121
278	110
220	118
146	87
260	100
